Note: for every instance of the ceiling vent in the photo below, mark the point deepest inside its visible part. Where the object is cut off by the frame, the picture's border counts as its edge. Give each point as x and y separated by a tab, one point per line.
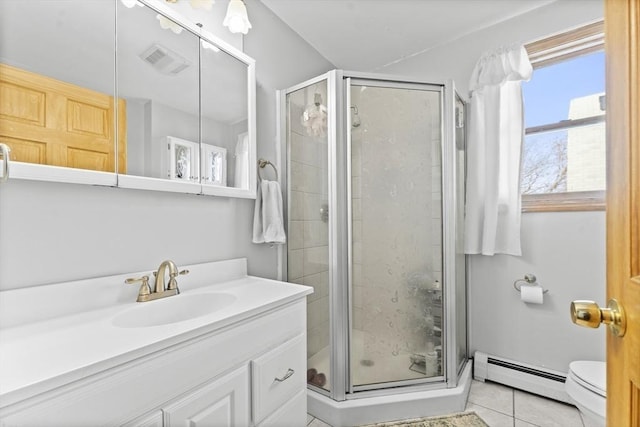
164	60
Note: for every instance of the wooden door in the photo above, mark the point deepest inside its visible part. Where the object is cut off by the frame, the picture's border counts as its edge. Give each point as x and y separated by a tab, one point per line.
47	121
622	19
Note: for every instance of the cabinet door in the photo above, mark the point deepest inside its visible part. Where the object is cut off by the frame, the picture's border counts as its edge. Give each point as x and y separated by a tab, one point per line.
293	414
224	402
151	420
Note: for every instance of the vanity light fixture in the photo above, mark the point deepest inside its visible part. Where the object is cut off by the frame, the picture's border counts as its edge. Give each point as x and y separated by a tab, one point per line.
131	3
314	117
198	4
202	4
168	24
206	45
236	19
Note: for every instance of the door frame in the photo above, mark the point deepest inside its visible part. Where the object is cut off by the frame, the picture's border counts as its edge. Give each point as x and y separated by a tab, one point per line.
622	42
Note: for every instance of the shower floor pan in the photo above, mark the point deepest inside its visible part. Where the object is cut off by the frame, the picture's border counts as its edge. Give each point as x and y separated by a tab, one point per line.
392	406
372	368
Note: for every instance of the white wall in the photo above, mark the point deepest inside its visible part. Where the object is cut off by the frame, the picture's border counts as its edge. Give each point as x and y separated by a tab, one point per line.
52	232
457	59
566	251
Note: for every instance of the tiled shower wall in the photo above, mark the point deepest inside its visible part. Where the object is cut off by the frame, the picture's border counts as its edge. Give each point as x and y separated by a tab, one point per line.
308	257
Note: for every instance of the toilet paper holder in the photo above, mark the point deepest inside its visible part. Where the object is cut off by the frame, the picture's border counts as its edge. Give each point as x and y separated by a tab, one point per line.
530	279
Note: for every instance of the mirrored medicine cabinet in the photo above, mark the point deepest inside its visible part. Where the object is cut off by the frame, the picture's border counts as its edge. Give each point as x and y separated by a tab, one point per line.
124	93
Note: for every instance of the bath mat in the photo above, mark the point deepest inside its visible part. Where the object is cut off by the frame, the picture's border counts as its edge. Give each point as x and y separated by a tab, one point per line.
466	419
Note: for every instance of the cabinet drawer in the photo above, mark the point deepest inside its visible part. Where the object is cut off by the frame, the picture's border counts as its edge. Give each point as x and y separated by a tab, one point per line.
278	376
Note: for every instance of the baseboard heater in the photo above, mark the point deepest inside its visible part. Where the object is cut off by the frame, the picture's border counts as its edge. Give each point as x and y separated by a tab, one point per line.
534	379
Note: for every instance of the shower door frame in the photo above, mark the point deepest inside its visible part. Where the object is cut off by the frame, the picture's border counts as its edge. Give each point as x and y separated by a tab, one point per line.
339	190
451	370
338	336
349	82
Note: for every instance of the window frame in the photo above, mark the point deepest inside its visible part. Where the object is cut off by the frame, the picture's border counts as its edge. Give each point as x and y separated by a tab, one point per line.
551	50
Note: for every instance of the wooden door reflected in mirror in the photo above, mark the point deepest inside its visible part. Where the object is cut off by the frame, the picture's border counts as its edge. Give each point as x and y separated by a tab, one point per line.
57	84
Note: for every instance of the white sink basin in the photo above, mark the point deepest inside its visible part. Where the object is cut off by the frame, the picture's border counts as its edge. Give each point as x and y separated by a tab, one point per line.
172	309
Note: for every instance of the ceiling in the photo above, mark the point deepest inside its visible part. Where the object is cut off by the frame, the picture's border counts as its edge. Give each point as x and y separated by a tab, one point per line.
366	35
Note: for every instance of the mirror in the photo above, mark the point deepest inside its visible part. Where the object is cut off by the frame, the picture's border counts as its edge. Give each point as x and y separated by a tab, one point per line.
158	77
162	103
225	124
57	77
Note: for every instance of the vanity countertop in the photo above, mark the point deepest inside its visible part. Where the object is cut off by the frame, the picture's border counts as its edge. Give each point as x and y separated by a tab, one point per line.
45	353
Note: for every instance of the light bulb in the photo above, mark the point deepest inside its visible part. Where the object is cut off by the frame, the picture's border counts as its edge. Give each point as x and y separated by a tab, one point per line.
236	19
202	4
129	3
206	45
168	24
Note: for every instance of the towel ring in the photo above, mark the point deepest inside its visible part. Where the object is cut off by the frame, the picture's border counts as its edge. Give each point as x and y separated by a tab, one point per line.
530	279
262	163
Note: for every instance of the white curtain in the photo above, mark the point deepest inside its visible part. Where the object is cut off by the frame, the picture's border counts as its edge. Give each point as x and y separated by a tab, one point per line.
492	219
242	162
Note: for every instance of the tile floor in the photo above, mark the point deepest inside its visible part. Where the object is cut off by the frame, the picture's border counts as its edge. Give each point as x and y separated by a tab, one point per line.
502	406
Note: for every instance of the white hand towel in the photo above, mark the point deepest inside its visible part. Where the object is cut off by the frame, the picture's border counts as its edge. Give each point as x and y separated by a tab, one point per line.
268	224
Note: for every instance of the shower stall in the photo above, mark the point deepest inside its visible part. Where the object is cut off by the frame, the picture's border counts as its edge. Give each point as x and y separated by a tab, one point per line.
375	202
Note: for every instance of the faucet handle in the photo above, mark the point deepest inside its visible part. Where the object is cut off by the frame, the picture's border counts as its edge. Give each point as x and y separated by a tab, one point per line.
145	289
173	283
182	273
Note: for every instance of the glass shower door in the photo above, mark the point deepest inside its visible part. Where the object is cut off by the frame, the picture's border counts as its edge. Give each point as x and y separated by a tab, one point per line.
396	233
308	217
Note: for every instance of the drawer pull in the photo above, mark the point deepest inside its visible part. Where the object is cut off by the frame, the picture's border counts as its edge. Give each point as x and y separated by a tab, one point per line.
287	375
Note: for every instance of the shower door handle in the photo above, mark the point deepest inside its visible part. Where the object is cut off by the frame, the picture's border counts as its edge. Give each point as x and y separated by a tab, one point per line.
324	212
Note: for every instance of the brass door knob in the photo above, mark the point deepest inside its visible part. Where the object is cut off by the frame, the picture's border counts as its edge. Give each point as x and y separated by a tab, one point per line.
590	315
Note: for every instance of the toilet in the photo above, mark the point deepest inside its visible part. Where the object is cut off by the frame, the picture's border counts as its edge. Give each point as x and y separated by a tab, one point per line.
586	385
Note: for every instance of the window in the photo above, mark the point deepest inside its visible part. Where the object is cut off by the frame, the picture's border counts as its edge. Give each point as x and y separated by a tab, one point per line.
564	151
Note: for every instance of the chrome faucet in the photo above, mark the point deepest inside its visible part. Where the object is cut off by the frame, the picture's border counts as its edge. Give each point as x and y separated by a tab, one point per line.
160	290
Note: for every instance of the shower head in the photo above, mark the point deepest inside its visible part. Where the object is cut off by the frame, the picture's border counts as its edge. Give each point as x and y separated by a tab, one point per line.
355	118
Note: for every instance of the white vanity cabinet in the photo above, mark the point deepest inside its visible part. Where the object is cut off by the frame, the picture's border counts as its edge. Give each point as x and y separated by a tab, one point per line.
224	402
154	419
269	391
243	371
